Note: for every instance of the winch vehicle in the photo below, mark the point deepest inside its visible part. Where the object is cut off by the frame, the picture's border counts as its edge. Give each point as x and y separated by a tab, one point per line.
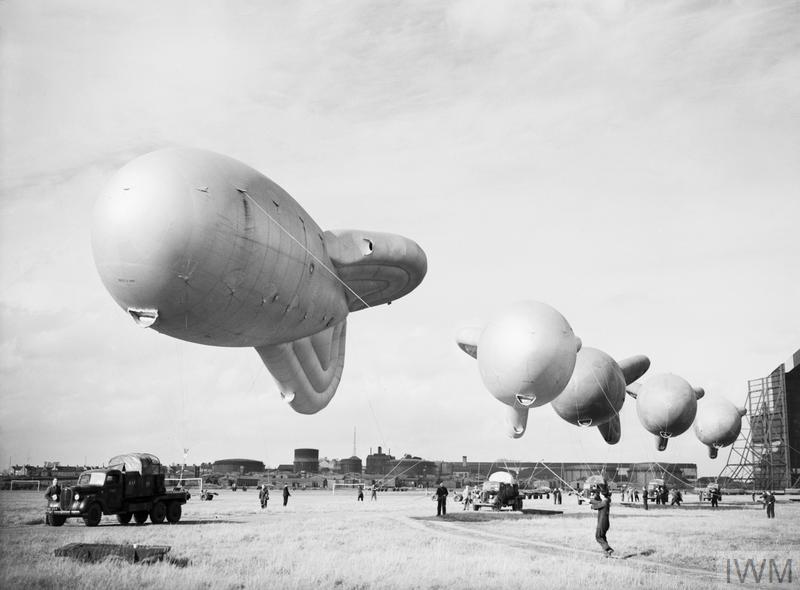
132	487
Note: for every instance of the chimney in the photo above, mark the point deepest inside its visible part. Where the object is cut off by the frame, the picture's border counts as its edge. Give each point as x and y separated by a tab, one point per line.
464	460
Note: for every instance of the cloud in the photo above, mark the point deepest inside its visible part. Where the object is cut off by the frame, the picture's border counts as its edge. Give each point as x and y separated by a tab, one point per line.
632	164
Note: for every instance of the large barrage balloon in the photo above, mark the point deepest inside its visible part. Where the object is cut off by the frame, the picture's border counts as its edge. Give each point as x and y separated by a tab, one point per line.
203	248
596	392
718	423
526	355
666	405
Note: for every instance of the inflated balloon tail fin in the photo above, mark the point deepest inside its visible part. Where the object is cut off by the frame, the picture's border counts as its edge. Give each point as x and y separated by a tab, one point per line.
516	421
634	367
467	340
633	390
712	452
742	411
661	442
611	430
307	371
699	392
376	268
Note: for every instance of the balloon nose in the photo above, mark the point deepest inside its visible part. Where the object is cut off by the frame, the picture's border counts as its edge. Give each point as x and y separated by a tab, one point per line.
141	235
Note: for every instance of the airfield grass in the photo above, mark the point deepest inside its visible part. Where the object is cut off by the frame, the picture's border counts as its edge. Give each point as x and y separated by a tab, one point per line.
322	540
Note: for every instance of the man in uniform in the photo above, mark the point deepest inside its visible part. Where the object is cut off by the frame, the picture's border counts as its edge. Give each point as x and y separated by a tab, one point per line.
602	503
769	503
263	495
441	500
53	490
286	495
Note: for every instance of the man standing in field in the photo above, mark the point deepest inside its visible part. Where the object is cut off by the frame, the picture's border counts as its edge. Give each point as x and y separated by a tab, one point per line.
53	490
263	495
286	495
602	503
441	500
769	504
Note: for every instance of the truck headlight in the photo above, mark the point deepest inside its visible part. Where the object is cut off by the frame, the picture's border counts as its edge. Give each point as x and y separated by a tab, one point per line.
77	496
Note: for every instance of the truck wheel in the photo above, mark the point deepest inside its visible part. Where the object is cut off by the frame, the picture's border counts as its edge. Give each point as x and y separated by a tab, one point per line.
475	507
158	512
57	519
173	512
124	517
93	515
140	516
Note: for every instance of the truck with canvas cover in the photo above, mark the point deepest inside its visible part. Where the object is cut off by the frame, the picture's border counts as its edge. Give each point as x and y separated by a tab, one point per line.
131	487
501	491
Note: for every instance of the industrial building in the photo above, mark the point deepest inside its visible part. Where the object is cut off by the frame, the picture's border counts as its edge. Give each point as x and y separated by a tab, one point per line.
306	460
238	466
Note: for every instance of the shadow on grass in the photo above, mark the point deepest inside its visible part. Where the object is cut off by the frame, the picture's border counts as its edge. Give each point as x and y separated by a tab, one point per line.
488	516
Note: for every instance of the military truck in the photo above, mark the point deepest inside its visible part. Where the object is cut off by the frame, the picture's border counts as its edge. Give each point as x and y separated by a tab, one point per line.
499	492
131	487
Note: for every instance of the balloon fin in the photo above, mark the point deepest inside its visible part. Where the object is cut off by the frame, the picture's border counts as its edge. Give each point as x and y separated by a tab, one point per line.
611	430
633	390
634	367
467	340
377	268
517	421
712	452
661	442
307	371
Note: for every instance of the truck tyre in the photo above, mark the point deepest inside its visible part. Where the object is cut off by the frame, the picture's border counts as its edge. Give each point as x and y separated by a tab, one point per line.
475	507
158	512
93	515
140	516
173	512
124	517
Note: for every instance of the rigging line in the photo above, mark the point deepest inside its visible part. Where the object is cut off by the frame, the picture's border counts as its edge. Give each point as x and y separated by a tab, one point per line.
603	391
404	471
303	246
672	475
559	478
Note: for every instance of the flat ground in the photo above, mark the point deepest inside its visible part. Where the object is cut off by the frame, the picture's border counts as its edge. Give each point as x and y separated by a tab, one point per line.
321	540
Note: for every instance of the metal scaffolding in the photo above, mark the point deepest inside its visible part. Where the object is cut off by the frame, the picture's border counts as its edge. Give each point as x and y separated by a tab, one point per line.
760	457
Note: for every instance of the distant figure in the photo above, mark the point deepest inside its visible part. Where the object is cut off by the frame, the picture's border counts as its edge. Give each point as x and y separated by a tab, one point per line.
769	503
441	500
602	503
467	498
558	491
636	495
54	489
233	487
645	498
360	497
374	495
664	496
286	495
715	496
677	498
263	495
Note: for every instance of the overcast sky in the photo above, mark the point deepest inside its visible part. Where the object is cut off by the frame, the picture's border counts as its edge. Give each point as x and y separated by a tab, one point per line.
634	164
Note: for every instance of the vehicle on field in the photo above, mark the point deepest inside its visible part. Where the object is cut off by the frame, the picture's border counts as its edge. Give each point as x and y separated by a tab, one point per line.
131	487
711	490
653	490
500	491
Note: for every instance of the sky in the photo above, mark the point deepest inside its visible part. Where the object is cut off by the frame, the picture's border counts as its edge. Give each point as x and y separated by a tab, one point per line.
636	165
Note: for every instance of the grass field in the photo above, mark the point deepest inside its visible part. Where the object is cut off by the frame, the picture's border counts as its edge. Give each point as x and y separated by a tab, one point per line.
322	540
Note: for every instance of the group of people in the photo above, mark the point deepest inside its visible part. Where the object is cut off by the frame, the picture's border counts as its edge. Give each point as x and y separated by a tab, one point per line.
263	495
373	495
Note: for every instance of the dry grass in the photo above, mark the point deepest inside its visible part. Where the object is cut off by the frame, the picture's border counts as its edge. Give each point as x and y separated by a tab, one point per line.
325	541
